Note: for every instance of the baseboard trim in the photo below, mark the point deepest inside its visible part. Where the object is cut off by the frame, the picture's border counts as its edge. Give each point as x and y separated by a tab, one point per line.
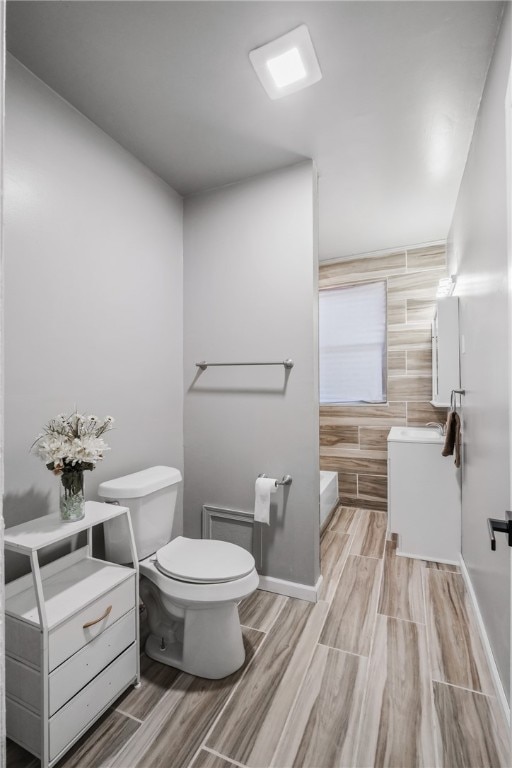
291	588
498	685
427	557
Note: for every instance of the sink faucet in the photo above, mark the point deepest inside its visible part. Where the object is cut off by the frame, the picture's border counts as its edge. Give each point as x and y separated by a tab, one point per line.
440	427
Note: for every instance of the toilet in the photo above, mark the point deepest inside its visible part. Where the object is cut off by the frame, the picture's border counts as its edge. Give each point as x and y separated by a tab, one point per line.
190	587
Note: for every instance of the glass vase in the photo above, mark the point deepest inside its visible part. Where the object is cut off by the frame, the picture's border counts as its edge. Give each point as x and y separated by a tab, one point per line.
72	500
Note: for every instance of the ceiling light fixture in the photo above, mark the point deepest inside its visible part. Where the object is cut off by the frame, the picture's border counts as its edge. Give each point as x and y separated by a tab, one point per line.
287	68
287	64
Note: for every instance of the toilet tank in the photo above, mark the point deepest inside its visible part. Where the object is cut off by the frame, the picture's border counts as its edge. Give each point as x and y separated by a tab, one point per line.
151	497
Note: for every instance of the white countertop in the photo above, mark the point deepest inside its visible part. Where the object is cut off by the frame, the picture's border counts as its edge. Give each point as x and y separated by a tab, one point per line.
415	435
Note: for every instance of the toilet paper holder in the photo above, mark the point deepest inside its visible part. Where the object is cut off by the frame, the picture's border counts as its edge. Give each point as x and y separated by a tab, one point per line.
286	479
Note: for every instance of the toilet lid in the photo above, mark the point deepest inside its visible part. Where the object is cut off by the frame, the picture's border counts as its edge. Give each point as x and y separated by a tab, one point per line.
203	561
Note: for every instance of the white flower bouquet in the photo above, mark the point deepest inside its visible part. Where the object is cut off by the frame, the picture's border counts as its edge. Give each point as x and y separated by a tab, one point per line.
68	445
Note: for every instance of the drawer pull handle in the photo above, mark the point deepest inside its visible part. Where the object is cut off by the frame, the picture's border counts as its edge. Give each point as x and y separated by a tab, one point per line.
97	621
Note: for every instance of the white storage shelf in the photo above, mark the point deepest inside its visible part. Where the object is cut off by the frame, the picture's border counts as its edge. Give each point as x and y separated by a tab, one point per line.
71	635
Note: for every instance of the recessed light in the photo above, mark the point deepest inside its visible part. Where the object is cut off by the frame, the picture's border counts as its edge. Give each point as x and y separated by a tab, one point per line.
287	64
287	68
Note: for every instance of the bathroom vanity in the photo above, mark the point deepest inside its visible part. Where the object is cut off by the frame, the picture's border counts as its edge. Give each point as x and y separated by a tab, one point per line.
71	634
424	497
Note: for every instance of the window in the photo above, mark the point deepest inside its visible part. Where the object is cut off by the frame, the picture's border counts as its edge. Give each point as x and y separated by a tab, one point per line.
352	323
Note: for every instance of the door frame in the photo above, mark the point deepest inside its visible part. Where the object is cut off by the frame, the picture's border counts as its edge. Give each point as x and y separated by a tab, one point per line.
2	589
508	169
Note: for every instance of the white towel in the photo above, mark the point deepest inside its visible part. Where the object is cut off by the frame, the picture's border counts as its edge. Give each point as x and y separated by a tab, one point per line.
263	488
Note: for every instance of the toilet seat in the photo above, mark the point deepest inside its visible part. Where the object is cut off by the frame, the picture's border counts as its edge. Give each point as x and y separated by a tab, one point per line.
188	593
203	561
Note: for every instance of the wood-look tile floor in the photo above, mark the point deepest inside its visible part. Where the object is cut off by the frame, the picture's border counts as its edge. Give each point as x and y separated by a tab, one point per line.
387	669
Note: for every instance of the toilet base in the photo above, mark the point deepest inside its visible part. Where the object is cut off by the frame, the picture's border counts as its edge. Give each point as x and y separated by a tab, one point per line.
212	643
195	627
171	654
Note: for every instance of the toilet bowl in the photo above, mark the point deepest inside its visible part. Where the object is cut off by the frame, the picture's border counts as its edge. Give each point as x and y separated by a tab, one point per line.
193	618
190	587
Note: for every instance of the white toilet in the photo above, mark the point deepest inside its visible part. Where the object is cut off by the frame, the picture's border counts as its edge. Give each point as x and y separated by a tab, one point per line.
190	587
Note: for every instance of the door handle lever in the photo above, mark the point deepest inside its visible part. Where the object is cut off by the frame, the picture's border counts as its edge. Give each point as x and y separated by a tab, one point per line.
500	526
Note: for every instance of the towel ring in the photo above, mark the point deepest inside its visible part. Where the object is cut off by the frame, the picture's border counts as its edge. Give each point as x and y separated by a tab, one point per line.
453	399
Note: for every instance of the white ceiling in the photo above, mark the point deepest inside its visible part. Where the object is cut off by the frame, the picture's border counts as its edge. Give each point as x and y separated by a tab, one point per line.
389	125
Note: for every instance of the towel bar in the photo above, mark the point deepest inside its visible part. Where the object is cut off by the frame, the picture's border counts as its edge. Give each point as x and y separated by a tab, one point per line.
453	401
203	365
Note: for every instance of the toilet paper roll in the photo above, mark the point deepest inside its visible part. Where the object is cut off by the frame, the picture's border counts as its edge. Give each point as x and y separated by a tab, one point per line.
264	487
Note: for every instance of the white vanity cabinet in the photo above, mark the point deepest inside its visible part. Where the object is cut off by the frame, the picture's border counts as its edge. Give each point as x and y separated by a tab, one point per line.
71	634
424	498
445	351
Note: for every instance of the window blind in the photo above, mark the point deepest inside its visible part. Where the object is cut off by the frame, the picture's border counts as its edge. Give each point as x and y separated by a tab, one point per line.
352	325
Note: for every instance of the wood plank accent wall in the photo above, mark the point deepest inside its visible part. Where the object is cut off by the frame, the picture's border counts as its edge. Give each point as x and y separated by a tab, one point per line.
353	437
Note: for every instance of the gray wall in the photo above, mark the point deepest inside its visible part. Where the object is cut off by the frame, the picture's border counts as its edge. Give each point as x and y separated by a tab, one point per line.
250	288
93	296
477	251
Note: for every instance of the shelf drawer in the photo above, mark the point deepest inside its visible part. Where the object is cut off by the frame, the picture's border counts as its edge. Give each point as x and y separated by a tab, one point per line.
77	671
22	641
70	636
23	726
73	718
23	683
